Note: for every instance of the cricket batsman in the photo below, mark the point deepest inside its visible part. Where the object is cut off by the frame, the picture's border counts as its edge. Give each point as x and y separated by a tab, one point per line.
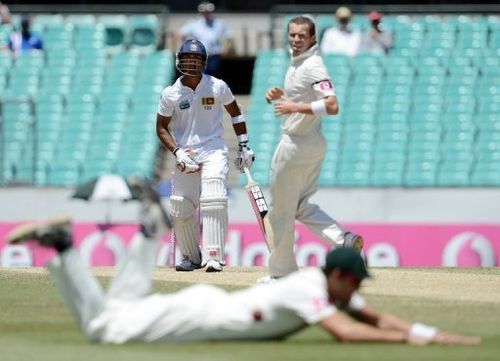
192	106
308	94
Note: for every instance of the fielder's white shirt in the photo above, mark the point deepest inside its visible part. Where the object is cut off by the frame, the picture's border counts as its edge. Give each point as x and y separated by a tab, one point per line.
306	80
196	114
205	312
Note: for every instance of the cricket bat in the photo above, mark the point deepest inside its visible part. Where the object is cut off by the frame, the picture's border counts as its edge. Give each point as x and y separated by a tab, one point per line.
259	205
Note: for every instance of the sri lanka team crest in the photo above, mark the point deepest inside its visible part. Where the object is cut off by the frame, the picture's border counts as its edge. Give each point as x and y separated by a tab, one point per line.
207	101
184	104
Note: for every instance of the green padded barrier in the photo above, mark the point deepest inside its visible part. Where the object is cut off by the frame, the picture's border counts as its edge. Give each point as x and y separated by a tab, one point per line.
334	61
144	31
116	27
41	22
353	178
436	52
485	178
63	175
387	178
486	60
81	20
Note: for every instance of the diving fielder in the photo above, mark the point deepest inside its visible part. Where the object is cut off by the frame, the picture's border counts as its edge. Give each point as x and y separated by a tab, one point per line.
126	313
295	167
193	107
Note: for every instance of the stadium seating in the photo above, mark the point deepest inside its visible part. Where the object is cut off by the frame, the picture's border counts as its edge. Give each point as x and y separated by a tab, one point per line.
86	105
425	115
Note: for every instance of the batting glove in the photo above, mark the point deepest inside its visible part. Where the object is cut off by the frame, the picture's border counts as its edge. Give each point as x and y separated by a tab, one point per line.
245	157
185	162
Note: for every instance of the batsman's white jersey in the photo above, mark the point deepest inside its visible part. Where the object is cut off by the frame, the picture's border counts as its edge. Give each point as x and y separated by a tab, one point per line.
196	114
200	312
296	164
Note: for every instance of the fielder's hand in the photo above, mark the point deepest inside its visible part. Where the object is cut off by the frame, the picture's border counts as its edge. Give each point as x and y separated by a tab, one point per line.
445	338
273	94
421	334
185	162
245	157
285	106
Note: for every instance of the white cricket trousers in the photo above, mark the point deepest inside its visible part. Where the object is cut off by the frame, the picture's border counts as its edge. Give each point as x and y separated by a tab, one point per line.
295	169
127	313
85	297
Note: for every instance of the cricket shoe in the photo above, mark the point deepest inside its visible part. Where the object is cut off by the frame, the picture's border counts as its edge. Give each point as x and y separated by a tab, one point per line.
353	240
153	217
213	266
186	265
51	233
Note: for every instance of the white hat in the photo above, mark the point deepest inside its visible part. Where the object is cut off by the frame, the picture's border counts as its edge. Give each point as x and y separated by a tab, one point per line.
343	13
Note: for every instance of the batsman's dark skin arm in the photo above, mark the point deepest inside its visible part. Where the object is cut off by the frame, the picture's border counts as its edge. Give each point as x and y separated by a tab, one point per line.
163	133
234	110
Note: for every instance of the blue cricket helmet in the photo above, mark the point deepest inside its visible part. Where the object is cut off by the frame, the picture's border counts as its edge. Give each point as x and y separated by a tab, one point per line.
193	46
191	67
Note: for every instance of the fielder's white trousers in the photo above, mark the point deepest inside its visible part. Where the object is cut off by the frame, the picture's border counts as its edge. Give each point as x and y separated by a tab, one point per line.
127	313
85	297
295	169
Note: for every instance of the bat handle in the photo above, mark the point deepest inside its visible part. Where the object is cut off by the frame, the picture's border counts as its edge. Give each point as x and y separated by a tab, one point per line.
248	174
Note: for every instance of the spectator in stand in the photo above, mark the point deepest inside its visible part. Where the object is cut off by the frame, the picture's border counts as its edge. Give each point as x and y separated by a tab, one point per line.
376	41
5	17
24	41
341	40
212	32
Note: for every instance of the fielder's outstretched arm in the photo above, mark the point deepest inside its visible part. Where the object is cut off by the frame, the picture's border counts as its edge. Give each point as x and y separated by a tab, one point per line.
384	327
381	320
347	330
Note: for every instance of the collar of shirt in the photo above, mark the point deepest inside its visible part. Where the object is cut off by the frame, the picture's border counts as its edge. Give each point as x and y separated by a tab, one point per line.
346	30
313	50
182	87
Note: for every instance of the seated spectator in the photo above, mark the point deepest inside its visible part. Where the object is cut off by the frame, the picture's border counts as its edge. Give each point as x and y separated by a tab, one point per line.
376	41
341	40
5	17
24	41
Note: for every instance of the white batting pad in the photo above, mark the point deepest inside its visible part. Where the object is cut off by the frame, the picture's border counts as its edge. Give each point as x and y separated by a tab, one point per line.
213	204
213	188
214	213
186	227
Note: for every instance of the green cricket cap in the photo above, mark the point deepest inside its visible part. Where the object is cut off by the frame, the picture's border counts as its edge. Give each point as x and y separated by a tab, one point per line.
347	259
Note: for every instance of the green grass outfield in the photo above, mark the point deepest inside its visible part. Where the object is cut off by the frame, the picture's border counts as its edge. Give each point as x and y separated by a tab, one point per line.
35	325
